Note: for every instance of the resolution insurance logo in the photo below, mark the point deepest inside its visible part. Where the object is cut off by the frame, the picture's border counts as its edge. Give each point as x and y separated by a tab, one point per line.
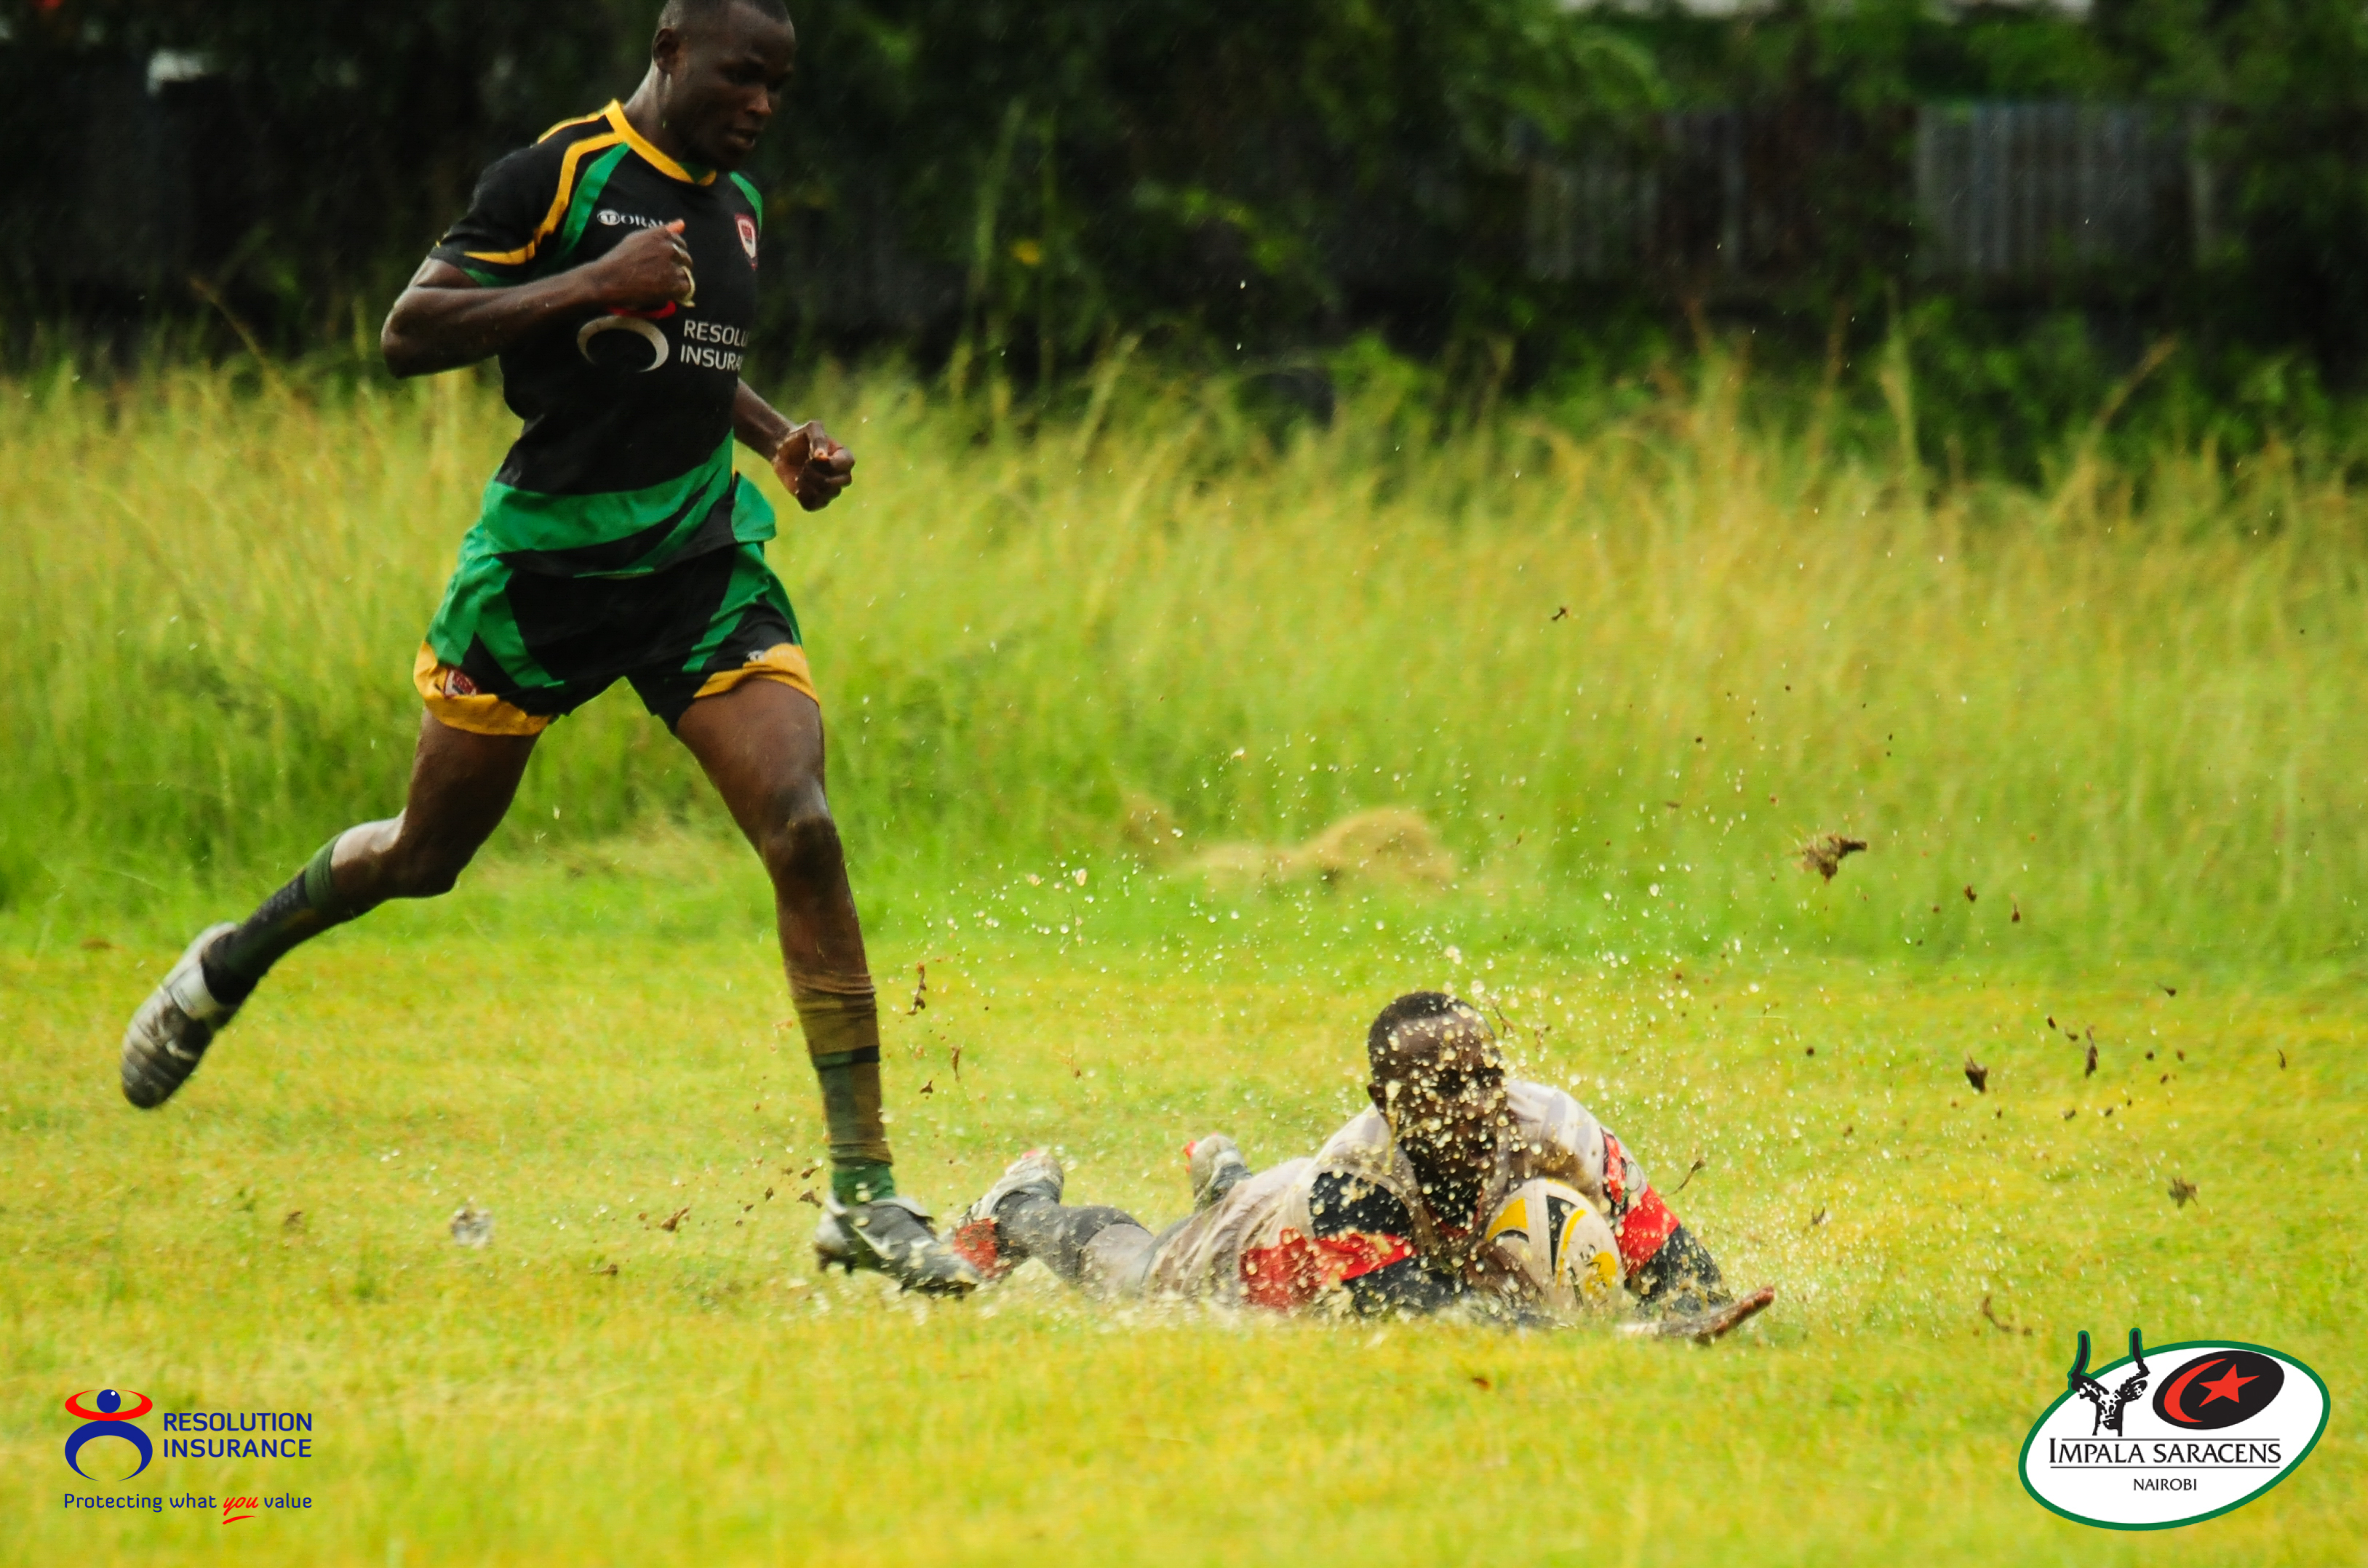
2227	1422
105	1417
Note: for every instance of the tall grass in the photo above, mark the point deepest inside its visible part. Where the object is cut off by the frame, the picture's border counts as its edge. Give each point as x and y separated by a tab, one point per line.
1626	658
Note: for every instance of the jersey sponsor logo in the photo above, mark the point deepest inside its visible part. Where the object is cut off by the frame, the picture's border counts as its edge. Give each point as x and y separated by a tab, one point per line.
622	342
713	346
2228	1422
706	345
747	236
610	218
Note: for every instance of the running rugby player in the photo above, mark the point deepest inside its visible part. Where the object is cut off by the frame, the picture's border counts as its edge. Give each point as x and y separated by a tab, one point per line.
612	268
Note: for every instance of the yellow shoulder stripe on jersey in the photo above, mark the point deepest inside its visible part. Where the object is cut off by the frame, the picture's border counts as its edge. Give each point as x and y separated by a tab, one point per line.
623	127
579	119
570	163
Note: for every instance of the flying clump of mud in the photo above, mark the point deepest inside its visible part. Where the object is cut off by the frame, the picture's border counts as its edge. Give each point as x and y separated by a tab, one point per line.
1825	853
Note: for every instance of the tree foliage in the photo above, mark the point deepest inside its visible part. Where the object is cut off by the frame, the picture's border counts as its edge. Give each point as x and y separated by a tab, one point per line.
1040	179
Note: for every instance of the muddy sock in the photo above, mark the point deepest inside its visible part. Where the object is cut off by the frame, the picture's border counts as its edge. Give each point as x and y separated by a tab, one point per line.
307	906
1058	1234
842	1027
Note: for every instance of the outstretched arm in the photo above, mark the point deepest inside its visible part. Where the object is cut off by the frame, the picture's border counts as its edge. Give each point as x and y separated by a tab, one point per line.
812	466
444	319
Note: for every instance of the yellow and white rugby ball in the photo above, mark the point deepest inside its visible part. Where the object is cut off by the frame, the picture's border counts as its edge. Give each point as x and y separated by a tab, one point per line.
1558	1246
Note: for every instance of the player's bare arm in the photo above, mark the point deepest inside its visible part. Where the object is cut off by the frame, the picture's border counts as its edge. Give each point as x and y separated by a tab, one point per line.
706	98
811	465
445	320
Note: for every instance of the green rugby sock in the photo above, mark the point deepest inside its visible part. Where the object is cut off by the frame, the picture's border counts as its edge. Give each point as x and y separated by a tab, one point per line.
307	906
842	1028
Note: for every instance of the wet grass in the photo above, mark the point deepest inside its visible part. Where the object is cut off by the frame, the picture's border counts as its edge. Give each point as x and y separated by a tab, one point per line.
1632	654
275	1239
1626	659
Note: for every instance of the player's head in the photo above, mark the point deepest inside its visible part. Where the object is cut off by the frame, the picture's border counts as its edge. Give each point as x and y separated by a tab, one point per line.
720	67
1438	1079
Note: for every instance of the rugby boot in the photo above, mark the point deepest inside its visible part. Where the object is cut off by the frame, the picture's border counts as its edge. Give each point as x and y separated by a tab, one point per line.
1215	1163
892	1236
1036	1173
168	1035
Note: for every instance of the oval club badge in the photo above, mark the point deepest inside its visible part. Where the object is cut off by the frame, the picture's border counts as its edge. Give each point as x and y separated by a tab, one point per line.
2172	1435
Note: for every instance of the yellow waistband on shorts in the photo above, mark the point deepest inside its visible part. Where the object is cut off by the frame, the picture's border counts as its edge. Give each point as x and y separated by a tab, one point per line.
454	700
783	662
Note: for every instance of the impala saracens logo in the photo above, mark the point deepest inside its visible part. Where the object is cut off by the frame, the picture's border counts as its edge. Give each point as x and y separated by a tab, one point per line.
2227	1422
2221	1389
747	236
106	1417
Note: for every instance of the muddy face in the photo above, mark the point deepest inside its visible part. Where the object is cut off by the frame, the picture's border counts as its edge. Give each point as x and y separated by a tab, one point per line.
1441	1088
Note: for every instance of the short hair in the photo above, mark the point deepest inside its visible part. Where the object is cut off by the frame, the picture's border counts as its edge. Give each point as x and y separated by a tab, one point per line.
1414	1007
680	14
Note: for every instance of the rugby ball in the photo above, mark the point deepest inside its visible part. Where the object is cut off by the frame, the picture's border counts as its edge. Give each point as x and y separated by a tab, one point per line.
1560	1249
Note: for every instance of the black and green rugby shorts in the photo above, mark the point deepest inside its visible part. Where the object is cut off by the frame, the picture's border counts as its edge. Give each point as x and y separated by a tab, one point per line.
510	650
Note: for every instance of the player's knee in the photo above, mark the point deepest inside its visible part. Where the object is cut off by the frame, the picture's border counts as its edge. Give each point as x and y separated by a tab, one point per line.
802	844
429	870
431	879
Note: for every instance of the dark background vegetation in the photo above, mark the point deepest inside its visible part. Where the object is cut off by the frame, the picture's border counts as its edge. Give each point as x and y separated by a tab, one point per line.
976	180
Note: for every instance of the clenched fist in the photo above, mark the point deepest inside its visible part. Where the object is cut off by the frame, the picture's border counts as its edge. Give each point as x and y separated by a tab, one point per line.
649	270
812	466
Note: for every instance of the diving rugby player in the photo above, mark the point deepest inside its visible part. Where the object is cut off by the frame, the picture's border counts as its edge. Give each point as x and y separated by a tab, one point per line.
1391	1216
612	268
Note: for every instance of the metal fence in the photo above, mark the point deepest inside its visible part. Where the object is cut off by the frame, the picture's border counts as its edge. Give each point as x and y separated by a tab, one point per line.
137	180
1989	195
2009	192
1985	196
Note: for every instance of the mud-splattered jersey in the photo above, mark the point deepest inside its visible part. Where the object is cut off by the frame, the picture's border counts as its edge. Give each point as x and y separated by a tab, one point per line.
1356	1211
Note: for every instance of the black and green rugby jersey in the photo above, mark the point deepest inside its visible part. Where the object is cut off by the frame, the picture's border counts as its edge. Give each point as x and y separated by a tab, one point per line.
625	462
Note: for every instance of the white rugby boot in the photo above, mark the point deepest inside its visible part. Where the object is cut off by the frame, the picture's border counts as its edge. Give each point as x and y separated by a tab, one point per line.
1215	1163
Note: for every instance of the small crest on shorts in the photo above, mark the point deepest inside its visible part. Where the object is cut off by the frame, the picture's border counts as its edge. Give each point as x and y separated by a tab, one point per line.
747	236
458	685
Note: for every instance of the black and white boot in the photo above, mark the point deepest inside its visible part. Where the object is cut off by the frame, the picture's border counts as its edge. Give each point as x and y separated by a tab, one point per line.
169	1036
892	1235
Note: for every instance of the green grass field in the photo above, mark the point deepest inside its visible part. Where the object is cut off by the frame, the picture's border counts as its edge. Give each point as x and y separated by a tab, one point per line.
2097	733
712	1401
